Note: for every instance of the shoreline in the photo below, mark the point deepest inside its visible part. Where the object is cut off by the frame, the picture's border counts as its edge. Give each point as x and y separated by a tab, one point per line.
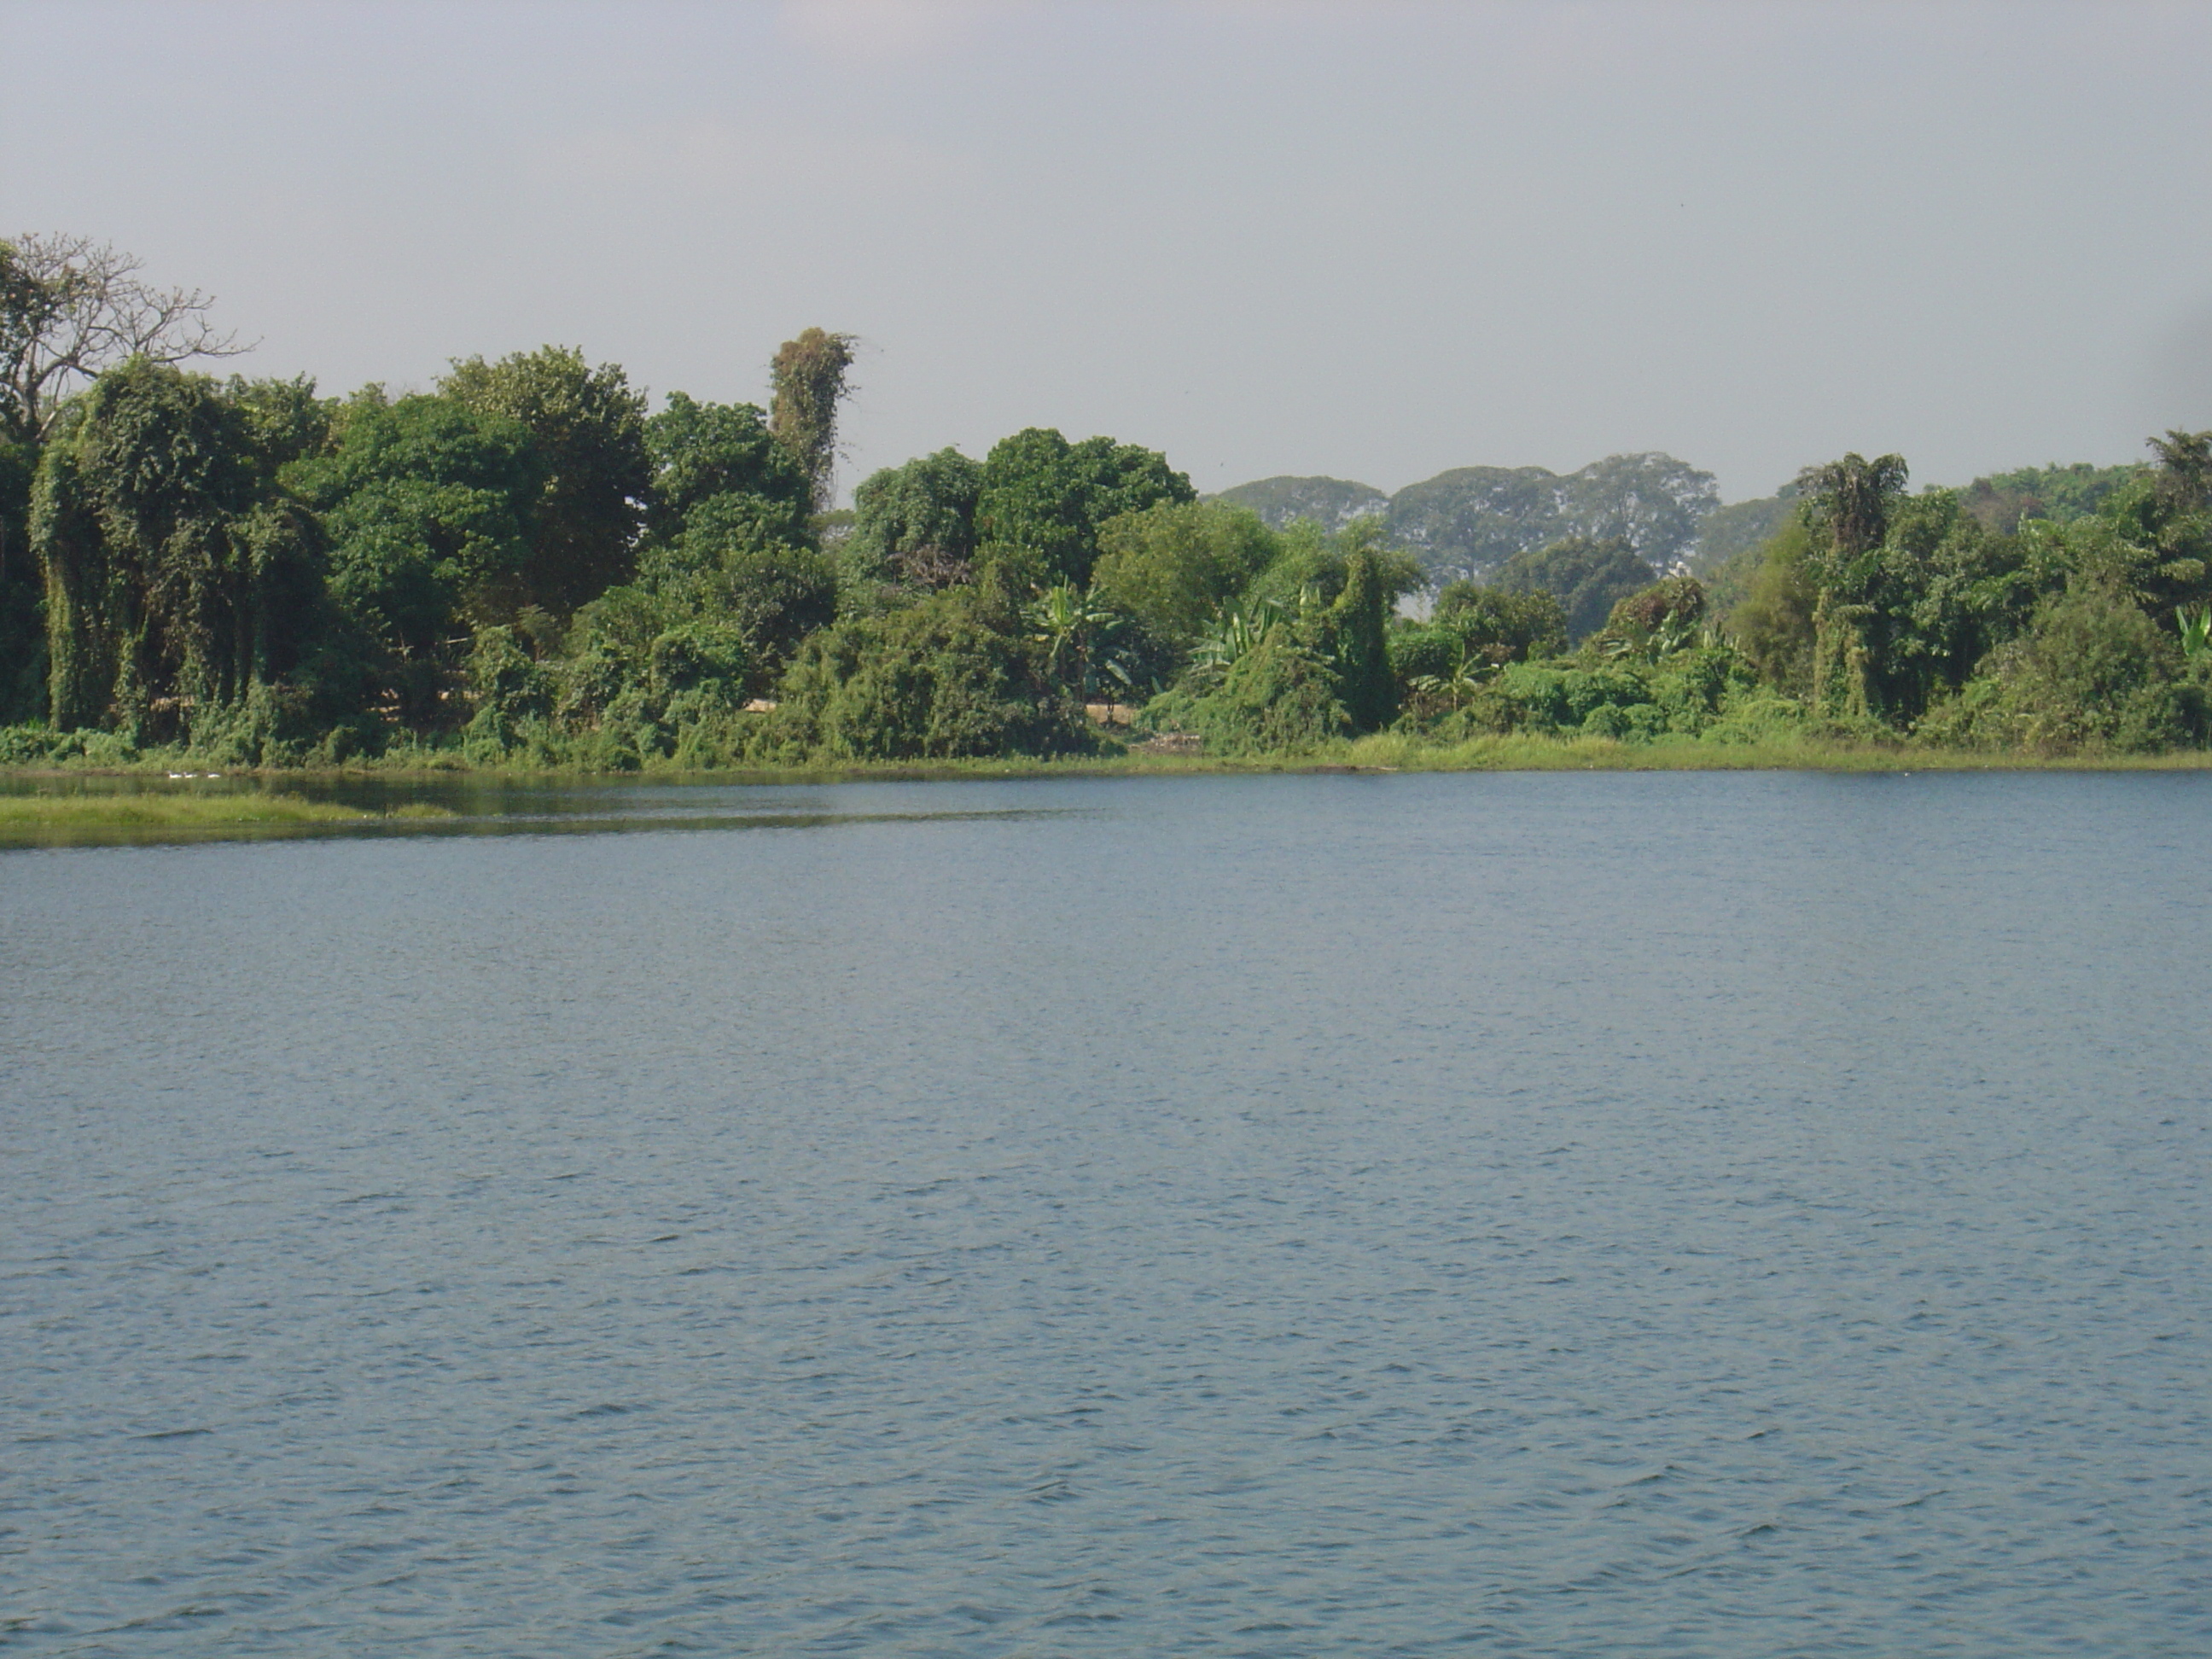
1382	752
156	803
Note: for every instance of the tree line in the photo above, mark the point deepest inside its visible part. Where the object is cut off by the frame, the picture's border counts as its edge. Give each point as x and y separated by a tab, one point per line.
529	564
1466	522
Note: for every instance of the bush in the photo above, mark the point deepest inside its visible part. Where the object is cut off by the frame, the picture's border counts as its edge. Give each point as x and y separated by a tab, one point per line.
1500	624
2092	673
1277	697
1174	566
934	681
1419	652
35	745
278	725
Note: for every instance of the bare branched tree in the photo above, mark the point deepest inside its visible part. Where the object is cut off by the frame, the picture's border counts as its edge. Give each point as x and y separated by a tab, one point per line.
71	307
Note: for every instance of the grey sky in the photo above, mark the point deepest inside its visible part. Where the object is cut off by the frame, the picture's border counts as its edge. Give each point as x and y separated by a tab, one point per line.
1375	239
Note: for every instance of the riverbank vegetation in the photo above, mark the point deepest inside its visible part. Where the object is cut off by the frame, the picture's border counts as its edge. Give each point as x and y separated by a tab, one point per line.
528	565
44	812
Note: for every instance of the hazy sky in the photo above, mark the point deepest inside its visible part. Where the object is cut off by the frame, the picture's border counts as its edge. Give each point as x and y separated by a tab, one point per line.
1372	239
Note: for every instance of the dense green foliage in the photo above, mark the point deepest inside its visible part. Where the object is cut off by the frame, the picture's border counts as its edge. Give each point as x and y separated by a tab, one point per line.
914	526
427	505
701	450
2073	616
1304	653
180	583
1044	499
946	677
528	567
588	431
1172	567
2004	501
1587	576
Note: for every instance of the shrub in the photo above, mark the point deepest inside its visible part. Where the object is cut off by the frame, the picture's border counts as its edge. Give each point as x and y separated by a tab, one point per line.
1277	697
933	681
2092	673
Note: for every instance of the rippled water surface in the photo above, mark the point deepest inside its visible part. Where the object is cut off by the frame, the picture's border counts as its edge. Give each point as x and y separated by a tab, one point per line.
1699	1214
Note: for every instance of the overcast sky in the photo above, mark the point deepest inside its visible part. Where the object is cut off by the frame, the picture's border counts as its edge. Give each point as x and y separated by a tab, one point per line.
1374	240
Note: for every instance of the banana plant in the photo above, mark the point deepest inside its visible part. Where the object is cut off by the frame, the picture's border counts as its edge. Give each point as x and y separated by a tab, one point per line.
1453	687
2194	623
1235	634
1070	624
1672	635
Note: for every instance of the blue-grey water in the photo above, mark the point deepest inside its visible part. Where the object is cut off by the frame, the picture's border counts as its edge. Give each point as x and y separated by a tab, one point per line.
1700	1214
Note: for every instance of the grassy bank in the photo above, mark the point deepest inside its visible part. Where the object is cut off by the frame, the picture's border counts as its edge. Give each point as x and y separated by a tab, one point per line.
1541	754
52	814
84	805
1382	751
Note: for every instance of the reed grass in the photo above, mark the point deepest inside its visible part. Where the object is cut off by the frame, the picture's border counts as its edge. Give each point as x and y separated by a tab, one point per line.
47	813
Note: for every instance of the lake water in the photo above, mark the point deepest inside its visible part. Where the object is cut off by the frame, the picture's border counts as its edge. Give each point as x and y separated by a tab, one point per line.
1699	1214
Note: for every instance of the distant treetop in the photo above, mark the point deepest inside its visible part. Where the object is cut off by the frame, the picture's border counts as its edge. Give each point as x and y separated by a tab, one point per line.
1470	520
1332	503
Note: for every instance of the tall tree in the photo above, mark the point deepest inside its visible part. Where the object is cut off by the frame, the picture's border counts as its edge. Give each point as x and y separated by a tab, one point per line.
807	377
1468	522
915	524
1332	503
428	504
1850	501
1044	498
2184	471
1652	501
1359	619
701	450
588	428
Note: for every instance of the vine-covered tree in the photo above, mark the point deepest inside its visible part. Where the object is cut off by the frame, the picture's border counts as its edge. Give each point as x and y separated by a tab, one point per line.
177	578
807	379
1847	504
1361	659
22	635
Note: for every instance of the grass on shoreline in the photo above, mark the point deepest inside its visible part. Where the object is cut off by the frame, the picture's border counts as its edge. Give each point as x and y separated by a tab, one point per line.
48	814
1386	751
1541	754
82	805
